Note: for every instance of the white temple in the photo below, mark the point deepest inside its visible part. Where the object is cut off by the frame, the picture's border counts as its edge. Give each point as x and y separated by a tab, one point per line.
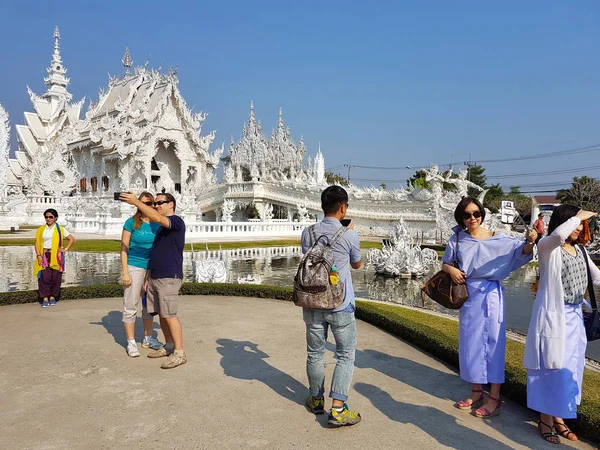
140	135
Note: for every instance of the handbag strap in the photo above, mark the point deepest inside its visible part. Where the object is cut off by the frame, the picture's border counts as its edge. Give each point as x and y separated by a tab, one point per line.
456	253
591	292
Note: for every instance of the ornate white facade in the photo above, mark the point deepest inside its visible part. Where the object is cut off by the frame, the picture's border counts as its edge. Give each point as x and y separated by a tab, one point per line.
140	135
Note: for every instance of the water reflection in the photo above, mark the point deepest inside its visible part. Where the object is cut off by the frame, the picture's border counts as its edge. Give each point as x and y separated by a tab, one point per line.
276	266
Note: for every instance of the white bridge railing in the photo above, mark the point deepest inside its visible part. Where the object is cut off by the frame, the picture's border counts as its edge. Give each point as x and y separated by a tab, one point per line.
109	226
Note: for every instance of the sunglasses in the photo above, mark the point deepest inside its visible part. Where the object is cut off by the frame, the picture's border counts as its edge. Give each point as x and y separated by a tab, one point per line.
48	217
467	215
162	202
148	203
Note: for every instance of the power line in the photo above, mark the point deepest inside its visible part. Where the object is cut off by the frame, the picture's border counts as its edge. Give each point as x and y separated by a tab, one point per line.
568	152
550	172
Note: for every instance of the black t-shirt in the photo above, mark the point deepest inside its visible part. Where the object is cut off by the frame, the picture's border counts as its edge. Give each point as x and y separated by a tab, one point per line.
166	258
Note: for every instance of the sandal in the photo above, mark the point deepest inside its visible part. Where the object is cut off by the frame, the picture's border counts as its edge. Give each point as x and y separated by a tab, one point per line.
483	413
566	433
551	434
464	404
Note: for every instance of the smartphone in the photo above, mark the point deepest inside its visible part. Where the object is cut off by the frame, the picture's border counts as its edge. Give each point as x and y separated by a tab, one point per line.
116	195
345	222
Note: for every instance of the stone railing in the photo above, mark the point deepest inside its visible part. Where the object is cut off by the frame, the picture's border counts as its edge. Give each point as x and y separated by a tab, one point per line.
245	229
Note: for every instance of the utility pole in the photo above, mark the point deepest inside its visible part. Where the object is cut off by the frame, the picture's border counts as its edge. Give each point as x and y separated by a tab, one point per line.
349	166
469	164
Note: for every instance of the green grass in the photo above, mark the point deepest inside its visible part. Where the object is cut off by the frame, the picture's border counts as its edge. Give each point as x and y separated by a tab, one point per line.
109	245
435	335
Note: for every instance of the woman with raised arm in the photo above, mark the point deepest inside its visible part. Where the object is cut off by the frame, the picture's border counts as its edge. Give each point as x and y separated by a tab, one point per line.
50	257
485	258
136	243
556	340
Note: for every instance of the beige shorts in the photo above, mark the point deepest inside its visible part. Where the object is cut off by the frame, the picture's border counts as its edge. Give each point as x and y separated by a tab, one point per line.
162	296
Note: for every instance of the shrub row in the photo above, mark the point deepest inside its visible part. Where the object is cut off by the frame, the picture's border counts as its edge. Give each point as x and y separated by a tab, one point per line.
116	290
435	335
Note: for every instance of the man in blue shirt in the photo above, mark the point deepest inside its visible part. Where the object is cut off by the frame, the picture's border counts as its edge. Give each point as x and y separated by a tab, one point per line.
346	251
166	274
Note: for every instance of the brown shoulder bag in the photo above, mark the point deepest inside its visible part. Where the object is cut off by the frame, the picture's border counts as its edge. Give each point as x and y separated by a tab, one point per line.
441	289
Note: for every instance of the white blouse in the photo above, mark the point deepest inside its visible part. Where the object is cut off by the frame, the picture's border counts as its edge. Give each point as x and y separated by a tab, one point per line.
49	232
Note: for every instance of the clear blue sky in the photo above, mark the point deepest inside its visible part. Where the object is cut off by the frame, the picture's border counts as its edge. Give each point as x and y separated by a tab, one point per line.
391	83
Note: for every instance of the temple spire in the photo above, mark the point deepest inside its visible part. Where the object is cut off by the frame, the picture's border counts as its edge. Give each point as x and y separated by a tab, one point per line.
280	124
127	61
252	117
56	72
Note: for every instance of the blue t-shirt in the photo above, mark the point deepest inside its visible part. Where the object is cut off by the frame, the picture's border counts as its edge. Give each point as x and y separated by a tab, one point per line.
166	259
140	243
345	251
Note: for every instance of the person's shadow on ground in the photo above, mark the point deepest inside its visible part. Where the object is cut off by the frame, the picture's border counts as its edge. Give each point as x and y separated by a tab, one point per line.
442	427
443	385
244	360
113	322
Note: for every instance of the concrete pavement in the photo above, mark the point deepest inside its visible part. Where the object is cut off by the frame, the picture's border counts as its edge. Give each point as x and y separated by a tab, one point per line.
67	383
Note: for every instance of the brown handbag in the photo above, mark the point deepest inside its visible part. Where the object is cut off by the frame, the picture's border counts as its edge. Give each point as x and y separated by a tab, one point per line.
441	289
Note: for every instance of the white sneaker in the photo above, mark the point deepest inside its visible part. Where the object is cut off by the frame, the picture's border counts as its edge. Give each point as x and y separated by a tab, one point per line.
132	350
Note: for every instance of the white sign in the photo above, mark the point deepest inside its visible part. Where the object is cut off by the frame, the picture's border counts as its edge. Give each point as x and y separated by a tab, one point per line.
507	211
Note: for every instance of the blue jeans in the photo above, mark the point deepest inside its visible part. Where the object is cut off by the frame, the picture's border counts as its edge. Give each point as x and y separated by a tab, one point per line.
343	327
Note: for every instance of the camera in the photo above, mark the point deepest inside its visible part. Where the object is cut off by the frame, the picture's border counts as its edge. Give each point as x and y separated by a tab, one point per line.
116	195
345	222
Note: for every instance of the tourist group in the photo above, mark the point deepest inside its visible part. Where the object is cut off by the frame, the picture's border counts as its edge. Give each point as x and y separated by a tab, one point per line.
152	259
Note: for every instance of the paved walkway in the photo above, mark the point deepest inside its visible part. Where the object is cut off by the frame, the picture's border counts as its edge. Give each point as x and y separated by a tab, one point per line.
66	383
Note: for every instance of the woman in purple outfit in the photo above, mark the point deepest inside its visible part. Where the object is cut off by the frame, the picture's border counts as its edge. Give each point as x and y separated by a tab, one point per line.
485	258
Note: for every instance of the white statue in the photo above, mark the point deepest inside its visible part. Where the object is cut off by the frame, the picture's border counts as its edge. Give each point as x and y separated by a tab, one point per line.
165	183
435	179
268	212
461	182
227	210
399	256
303	212
229	174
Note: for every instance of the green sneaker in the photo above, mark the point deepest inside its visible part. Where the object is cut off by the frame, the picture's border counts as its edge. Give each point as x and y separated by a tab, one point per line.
315	405
344	418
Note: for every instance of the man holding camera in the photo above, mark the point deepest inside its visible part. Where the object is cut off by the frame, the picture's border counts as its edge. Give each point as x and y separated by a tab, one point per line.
166	273
346	254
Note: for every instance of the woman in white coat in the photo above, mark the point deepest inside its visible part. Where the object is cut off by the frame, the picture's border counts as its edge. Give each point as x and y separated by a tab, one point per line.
556	340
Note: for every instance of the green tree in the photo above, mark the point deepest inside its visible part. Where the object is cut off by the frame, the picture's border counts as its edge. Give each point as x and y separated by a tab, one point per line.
475	174
418	180
584	193
493	198
335	178
383	186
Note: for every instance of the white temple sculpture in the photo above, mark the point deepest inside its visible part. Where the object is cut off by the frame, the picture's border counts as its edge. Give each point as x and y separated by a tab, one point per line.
400	256
140	135
39	164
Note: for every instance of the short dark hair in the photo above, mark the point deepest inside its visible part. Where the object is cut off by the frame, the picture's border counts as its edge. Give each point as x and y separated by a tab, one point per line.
541	215
560	215
460	209
51	211
332	198
170	198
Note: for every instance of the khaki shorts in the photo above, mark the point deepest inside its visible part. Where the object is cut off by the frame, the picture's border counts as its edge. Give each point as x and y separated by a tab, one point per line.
162	296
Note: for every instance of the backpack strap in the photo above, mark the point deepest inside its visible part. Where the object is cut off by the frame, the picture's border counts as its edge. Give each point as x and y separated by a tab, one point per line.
312	234
337	236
